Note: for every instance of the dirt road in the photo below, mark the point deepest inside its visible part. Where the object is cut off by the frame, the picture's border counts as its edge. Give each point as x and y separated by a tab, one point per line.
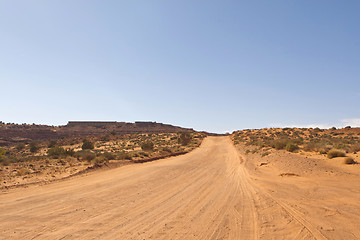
206	194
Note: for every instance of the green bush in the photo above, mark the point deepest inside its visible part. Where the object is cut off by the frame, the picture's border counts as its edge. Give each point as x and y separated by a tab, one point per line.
87	145
333	153
291	147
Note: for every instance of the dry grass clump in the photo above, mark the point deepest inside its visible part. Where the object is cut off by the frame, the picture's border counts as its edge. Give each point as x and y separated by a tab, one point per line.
291	147
349	160
333	153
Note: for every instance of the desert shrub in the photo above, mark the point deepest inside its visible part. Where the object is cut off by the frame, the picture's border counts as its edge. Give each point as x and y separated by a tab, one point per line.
323	151
355	148
52	143
99	160
147	146
85	155
109	156
87	145
124	155
349	160
20	146
70	152
291	147
184	138
167	149
34	147
333	153
2	153
56	152
280	144
5	161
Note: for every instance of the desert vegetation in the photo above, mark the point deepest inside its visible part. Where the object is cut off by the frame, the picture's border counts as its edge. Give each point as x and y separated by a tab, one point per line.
328	142
52	159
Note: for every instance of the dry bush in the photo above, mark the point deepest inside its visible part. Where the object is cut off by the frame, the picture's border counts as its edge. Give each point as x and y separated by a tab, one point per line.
109	155
85	155
349	160
56	152
184	138
99	160
333	153
280	144
291	147
22	172
87	144
147	146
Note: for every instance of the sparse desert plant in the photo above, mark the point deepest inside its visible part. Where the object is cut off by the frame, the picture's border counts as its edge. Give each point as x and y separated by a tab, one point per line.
124	155
323	151
109	156
184	138
70	152
87	145
20	146
333	153
291	147
167	149
99	160
2	153
34	147
355	148
56	152
349	160
85	155
52	143
280	144
147	146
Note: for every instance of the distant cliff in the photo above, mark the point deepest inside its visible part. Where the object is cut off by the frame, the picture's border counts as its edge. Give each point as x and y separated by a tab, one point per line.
12	133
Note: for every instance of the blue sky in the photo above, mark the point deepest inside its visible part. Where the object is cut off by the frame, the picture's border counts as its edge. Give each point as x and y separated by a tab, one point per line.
210	65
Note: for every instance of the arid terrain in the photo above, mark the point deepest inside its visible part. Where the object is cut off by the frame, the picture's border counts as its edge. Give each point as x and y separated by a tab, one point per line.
50	160
217	191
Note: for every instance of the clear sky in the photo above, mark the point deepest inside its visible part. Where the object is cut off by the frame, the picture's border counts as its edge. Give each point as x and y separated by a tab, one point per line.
210	65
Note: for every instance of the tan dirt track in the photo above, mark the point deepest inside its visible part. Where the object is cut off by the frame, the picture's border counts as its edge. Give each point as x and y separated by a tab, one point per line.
206	194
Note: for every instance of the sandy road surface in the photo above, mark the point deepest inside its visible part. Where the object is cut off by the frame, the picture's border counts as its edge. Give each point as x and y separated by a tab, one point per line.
206	194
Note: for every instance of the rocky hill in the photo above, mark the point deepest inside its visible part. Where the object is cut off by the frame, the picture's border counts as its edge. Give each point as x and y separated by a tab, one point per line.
13	133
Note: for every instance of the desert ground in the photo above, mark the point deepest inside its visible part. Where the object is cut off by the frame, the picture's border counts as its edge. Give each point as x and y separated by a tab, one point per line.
217	191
